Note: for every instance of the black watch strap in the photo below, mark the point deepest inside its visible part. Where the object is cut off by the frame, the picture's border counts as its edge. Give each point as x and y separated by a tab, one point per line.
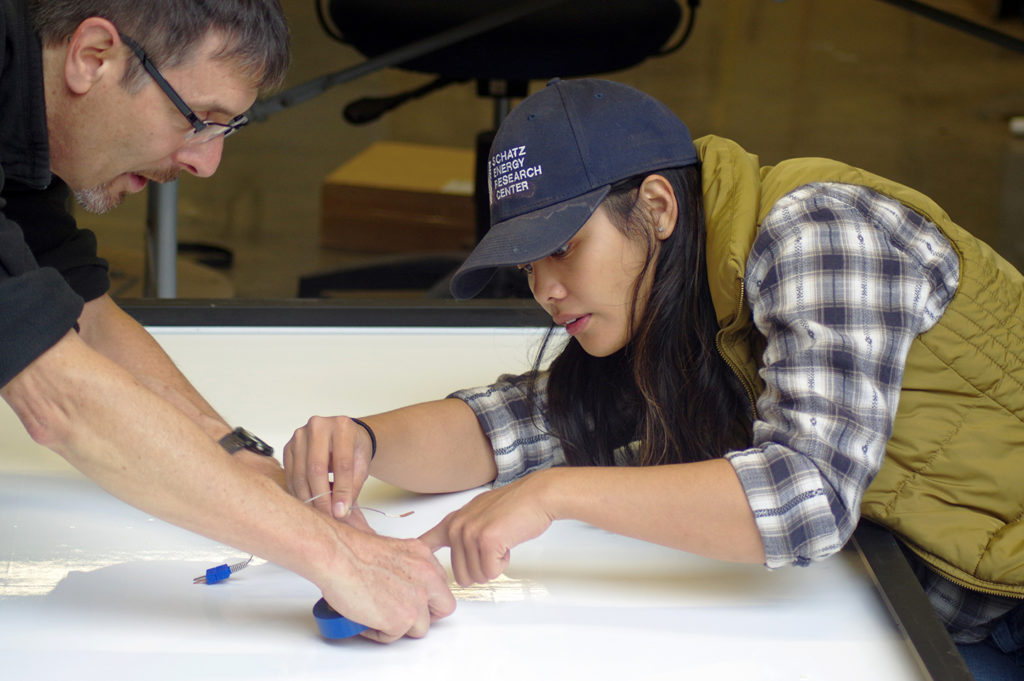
240	438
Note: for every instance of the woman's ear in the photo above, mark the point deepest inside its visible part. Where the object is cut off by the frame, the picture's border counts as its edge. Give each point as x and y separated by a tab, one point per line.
660	200
93	50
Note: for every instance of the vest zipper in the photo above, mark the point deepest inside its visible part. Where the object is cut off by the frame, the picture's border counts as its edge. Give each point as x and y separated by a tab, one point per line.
961	582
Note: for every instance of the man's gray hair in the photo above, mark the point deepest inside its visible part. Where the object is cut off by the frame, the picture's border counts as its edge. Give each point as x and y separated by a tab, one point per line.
255	32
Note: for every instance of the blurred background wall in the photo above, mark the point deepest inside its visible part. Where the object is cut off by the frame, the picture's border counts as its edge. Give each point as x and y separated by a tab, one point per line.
856	80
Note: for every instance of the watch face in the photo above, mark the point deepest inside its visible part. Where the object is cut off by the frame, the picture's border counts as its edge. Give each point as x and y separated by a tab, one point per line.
253	443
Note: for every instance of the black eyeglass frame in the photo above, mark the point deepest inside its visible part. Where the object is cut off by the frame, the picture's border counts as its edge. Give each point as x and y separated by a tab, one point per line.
212	128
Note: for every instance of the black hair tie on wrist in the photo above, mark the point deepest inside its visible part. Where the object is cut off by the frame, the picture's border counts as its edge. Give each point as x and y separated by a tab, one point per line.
369	431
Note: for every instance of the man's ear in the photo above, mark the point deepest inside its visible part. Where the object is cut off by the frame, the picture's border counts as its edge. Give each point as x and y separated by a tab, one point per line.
94	52
660	199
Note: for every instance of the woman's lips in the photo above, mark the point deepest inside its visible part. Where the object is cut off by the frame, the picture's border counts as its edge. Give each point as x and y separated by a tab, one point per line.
574	325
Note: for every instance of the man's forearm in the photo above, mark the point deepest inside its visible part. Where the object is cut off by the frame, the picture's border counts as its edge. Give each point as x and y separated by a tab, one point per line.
146	452
108	330
142	450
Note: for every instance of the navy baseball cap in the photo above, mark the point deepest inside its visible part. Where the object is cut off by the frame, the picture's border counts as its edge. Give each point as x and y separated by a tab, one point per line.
553	162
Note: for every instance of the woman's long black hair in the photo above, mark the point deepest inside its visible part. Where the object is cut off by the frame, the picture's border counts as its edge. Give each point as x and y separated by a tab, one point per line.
668	389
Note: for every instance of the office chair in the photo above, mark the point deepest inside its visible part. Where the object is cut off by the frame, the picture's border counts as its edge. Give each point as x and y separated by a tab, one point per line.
501	48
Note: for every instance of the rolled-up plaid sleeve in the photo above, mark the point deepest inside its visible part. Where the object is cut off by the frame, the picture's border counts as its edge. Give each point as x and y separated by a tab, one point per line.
515	424
840	280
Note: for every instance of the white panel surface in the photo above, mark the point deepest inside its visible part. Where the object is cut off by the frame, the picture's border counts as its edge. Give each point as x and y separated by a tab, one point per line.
91	588
272	380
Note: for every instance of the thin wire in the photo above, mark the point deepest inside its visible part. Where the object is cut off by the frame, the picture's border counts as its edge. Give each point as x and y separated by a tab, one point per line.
364	508
232	569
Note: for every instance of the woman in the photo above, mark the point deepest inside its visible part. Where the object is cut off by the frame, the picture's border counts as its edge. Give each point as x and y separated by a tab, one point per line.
757	357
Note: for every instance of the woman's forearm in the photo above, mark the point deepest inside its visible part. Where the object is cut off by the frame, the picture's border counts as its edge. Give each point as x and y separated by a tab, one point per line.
432	447
696	507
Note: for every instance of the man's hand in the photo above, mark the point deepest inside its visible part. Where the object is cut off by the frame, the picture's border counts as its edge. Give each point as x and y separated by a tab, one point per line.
394	586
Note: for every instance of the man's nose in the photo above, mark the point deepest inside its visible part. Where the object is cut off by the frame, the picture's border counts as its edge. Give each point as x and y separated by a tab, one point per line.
201	159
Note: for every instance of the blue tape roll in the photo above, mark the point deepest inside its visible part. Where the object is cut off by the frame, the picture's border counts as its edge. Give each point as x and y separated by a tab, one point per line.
333	625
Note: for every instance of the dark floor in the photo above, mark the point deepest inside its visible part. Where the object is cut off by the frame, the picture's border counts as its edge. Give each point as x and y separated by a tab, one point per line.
857	80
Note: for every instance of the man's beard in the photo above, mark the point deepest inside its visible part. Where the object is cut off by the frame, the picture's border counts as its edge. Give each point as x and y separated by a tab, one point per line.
98	199
102	198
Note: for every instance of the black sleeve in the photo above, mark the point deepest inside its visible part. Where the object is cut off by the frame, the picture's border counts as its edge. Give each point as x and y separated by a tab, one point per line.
36	310
37	304
54	239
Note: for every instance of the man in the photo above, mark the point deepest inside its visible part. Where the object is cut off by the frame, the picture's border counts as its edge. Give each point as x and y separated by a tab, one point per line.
99	98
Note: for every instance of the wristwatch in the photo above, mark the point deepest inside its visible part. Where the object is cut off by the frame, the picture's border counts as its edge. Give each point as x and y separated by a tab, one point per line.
240	438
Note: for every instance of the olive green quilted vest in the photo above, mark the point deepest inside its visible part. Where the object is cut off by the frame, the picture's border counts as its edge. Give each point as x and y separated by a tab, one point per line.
952	483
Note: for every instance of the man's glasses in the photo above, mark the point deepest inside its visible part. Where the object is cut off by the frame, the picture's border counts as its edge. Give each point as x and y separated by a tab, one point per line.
202	131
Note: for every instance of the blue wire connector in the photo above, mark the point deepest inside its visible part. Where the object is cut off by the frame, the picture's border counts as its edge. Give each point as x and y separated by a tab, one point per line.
221	572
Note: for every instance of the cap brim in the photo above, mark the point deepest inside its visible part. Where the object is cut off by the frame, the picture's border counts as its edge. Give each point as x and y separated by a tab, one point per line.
523	239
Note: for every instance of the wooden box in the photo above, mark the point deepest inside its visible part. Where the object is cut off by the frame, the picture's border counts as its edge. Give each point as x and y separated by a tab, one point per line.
399	197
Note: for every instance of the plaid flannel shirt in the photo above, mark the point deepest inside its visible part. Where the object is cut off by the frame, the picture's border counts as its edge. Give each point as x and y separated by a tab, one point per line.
840	281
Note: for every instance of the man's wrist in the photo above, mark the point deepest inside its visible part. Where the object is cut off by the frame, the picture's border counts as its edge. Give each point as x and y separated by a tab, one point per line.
240	438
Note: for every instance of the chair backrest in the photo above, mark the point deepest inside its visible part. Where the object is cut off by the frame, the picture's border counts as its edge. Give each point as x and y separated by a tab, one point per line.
575	38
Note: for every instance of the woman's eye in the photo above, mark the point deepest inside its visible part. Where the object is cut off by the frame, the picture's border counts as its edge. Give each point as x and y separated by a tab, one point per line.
561	251
528	268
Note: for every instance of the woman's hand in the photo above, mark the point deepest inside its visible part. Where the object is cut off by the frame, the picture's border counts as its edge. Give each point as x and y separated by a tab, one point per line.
324	446
482	533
